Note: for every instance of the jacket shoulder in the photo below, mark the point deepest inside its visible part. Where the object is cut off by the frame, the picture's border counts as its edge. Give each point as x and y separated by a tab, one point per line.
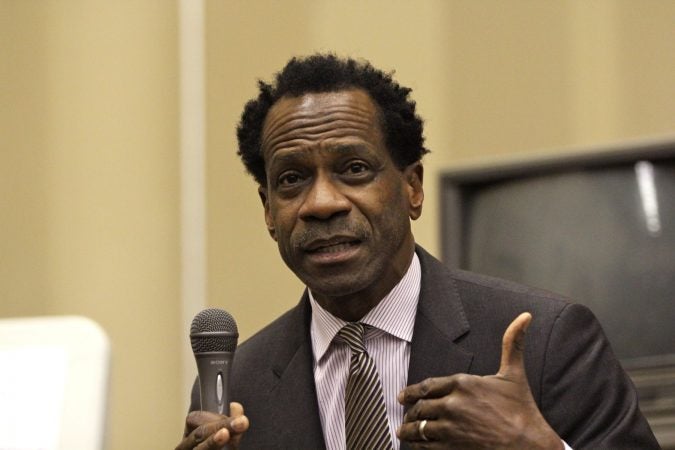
284	331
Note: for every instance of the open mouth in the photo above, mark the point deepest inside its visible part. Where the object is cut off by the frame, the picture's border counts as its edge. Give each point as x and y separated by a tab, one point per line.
337	247
331	245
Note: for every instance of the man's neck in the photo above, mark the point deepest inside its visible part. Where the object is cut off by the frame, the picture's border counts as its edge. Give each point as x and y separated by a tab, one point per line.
352	307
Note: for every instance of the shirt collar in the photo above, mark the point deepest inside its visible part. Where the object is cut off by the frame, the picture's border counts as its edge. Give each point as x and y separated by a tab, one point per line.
395	314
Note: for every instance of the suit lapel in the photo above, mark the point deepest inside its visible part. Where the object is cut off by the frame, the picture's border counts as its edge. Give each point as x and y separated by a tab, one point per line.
298	422
440	321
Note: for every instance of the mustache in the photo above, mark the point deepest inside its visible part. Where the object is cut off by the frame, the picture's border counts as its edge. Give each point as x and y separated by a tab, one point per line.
326	230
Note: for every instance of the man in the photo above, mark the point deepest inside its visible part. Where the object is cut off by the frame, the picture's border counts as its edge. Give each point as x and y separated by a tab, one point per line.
336	146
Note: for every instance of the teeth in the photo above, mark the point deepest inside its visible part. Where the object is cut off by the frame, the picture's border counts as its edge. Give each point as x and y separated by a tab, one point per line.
334	248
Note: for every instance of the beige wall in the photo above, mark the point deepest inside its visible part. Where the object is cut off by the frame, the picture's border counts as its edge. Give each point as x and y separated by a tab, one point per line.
89	212
89	184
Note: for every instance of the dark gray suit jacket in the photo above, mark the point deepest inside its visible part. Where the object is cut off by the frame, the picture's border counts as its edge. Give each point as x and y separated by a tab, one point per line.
575	379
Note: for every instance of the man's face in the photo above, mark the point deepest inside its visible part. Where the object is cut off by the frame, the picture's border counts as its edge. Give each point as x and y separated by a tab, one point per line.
335	202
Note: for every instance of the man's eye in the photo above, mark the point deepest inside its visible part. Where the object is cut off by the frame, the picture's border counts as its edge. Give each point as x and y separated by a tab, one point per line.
288	179
357	168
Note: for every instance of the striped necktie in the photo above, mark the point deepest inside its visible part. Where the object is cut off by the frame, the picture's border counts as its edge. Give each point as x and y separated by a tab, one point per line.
366	424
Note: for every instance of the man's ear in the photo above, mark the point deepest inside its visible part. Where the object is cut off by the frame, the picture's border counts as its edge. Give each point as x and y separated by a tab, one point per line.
262	192
414	176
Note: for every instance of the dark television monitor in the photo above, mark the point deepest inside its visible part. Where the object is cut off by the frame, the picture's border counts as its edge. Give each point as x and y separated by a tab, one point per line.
597	226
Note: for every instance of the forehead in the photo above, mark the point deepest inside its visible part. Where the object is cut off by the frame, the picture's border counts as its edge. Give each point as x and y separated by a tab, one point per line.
319	117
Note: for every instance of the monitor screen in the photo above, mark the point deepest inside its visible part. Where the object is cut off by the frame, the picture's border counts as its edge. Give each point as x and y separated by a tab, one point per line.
597	228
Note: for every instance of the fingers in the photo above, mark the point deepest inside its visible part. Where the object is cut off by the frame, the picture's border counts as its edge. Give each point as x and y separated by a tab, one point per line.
198	418
236	409
239	423
216	441
432	409
512	365
434	388
204	428
410	432
210	431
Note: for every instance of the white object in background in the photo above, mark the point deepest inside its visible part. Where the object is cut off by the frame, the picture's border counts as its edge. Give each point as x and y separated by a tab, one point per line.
53	383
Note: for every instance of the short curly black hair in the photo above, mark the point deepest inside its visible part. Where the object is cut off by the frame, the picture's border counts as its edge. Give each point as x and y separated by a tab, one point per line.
402	127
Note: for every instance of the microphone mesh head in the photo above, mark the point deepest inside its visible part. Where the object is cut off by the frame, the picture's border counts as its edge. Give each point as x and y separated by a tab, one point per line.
213	330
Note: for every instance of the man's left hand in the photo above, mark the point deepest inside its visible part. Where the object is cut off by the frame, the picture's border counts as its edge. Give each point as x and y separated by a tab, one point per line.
474	412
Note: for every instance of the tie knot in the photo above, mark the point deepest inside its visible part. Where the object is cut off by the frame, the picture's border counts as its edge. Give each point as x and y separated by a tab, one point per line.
352	333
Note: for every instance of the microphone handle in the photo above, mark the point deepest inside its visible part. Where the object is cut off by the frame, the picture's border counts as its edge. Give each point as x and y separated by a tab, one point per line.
214	381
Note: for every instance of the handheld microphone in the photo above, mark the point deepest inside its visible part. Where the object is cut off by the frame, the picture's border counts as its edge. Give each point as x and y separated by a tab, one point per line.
213	335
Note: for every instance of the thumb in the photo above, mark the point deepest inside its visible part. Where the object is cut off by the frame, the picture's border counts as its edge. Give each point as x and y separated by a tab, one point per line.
512	365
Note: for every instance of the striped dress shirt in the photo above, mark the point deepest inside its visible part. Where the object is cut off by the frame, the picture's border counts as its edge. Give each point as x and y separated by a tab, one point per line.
387	341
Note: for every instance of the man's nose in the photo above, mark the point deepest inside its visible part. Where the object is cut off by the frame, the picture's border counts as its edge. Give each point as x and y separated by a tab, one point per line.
324	200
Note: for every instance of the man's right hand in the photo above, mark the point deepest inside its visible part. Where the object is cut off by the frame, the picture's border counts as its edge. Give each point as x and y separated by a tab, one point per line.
210	431
480	412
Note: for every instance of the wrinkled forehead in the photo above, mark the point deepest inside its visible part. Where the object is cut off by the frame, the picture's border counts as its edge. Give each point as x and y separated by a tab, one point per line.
320	116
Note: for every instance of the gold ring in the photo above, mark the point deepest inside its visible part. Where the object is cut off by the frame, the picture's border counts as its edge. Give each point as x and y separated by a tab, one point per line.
420	430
